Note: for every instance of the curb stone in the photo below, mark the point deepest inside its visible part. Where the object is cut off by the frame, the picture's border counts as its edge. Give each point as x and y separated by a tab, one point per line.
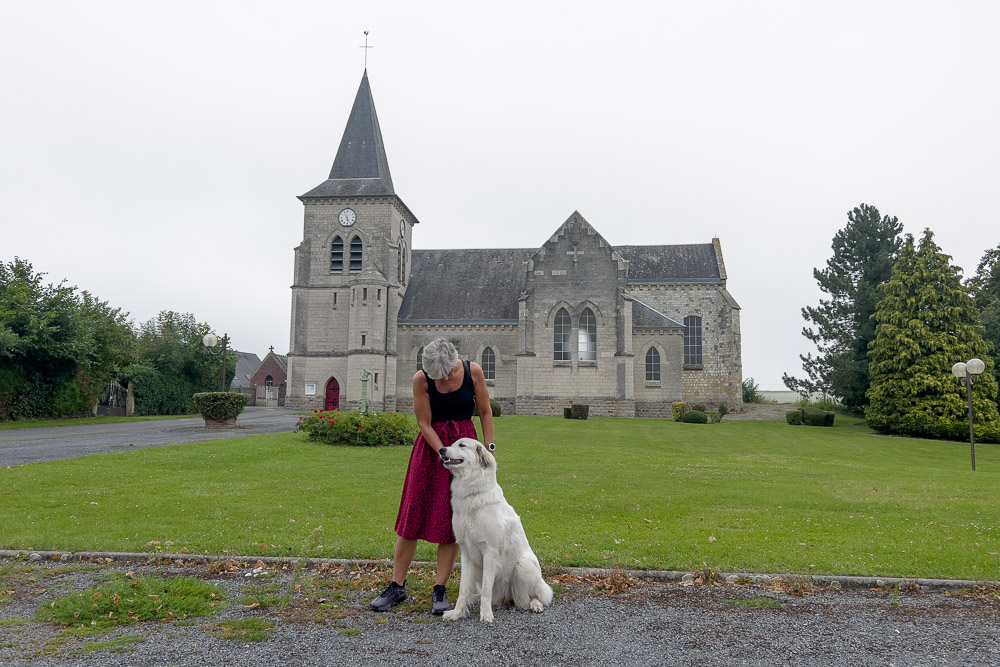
838	582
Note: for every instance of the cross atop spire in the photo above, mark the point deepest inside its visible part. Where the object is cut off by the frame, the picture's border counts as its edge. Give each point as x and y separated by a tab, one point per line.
366	47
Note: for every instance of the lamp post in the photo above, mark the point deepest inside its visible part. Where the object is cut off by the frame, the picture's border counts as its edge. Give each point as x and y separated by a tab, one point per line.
210	341
967	372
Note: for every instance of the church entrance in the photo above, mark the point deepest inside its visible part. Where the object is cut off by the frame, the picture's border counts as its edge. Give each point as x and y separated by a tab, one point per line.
332	395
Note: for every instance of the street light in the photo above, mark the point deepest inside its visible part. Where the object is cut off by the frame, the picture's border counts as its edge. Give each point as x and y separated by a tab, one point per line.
967	373
210	341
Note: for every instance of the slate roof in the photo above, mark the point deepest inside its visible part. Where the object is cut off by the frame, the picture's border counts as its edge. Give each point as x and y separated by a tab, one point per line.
246	364
671	263
464	285
644	317
361	167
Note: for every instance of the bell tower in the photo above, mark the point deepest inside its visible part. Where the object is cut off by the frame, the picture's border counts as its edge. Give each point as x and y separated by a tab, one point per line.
350	273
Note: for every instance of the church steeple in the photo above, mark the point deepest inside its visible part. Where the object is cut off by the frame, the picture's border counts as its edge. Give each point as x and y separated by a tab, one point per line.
360	167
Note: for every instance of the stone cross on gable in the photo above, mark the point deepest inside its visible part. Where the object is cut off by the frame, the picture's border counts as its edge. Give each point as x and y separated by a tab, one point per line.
271	349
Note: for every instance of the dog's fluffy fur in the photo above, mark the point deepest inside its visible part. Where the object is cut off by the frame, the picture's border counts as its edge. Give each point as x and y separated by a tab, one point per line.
496	559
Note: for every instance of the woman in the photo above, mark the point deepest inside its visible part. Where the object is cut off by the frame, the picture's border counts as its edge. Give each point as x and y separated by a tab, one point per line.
445	393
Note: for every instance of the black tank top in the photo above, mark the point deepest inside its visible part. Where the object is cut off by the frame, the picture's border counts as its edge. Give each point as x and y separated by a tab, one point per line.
455	405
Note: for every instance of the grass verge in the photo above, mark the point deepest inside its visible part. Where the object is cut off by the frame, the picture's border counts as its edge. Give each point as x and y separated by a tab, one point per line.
80	421
613	493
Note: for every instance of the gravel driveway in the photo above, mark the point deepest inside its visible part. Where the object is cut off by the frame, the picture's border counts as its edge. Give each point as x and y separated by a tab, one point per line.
595	620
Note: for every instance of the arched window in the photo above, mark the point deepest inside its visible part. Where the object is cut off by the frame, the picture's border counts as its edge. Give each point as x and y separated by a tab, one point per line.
269	381
337	254
652	365
692	340
587	335
355	254
420	359
402	259
560	336
399	265
489	364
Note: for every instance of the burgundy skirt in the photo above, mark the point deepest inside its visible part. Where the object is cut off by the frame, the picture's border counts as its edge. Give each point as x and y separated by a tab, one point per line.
425	508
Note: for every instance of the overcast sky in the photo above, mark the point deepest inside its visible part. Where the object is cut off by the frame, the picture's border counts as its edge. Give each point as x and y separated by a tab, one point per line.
152	153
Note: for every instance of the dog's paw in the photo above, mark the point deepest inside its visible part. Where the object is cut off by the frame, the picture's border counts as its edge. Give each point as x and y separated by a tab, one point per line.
536	606
486	615
452	615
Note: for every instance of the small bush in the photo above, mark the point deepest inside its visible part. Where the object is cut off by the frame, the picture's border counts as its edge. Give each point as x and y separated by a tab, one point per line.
580	410
358	430
694	417
72	399
751	392
677	409
714	417
723	410
794	417
567	413
495	407
700	407
220	406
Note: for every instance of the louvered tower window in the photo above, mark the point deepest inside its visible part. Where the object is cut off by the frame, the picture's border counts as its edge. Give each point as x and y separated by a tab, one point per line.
356	254
337	254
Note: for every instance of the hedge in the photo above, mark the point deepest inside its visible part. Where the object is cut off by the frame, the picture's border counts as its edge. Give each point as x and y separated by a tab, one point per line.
220	406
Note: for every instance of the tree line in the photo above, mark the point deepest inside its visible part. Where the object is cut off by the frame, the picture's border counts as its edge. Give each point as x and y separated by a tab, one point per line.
60	347
896	318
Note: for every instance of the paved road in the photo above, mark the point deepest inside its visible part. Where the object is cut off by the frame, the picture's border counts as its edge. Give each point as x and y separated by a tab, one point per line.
31	445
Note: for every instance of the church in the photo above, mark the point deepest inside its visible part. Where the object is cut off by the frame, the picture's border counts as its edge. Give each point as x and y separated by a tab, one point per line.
625	329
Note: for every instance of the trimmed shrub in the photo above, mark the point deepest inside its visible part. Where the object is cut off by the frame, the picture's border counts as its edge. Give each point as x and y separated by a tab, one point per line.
723	410
694	417
794	417
700	407
580	410
220	406
567	413
817	417
495	407
677	409
357	430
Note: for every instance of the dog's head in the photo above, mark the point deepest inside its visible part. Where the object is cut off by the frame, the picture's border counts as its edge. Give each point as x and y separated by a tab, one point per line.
465	453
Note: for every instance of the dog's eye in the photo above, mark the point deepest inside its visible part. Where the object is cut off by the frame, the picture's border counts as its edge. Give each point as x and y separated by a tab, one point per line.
461	445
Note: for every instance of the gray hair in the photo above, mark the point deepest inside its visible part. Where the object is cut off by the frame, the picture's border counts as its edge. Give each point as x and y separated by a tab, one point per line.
440	356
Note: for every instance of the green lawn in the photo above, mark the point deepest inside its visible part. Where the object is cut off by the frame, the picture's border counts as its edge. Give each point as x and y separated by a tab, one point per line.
603	492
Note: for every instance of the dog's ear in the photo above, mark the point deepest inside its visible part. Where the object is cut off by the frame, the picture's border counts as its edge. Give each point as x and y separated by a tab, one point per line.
485	460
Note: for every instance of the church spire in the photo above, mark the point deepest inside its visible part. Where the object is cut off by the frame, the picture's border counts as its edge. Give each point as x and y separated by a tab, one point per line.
361	167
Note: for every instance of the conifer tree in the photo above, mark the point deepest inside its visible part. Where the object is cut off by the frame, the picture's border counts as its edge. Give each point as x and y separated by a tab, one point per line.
863	254
926	321
985	290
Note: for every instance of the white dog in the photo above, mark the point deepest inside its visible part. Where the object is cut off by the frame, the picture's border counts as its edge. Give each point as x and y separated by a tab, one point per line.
496	558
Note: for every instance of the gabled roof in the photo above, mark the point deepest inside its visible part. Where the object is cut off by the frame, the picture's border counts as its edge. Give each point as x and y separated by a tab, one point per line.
361	167
464	285
246	364
671	263
644	317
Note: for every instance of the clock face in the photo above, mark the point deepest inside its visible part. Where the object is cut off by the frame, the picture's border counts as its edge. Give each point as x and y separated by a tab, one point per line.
347	217
402	228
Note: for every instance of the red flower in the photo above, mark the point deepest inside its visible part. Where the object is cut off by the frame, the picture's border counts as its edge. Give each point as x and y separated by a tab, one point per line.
315	410
359	428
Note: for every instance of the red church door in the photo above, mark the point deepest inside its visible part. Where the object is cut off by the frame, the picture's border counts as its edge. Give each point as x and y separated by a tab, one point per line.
332	395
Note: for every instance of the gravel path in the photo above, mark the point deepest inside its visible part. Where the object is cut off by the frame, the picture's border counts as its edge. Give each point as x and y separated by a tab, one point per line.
640	623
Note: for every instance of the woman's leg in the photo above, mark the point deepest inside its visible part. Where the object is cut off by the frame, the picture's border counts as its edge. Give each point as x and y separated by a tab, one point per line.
446	561
401	559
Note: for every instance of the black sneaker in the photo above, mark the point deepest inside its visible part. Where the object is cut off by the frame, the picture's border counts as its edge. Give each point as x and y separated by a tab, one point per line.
439	600
391	596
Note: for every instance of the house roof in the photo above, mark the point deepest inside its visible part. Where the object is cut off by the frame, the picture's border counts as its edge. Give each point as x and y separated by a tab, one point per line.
246	364
361	167
464	285
644	317
671	263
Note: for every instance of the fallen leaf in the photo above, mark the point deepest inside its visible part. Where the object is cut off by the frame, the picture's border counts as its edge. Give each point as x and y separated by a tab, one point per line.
711	538
255	605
